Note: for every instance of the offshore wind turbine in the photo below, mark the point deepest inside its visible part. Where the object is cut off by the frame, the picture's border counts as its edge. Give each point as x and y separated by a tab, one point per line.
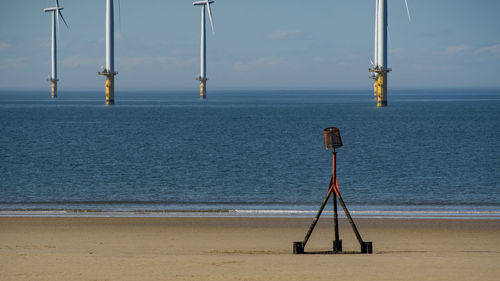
203	52
379	65
56	13
109	70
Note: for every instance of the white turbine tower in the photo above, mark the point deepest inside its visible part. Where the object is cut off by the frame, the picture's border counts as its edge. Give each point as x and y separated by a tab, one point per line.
379	65
56	13
203	70
109	70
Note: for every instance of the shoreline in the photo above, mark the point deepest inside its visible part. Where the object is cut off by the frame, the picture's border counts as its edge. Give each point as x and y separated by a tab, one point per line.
86	248
382	213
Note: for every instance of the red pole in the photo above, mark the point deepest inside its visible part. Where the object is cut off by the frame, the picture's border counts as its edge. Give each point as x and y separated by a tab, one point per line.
337	247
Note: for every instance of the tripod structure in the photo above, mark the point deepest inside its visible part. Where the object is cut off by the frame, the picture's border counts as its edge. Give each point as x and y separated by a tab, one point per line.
334	191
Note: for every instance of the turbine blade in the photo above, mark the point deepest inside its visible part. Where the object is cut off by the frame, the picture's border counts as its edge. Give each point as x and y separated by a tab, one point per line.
60	14
408	11
210	16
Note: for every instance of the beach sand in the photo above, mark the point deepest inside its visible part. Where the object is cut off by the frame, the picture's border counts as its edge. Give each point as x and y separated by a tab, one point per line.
45	248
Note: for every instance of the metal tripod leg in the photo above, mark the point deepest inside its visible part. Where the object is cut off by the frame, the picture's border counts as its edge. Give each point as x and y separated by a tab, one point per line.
366	247
298	247
337	243
315	221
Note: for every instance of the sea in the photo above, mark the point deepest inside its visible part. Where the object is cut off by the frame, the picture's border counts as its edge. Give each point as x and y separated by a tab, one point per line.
432	153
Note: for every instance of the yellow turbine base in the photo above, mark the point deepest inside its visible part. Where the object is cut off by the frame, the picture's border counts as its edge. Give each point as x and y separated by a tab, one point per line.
110	89
203	89
382	89
54	89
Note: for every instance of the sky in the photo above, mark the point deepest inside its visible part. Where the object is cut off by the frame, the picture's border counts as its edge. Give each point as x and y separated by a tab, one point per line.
259	44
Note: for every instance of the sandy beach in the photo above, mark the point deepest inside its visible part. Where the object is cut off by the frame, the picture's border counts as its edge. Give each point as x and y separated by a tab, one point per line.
45	248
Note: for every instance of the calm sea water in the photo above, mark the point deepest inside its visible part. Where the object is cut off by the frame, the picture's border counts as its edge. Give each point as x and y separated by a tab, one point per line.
430	153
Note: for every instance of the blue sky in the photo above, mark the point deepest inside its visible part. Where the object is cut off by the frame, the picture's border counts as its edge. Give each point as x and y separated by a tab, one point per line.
258	44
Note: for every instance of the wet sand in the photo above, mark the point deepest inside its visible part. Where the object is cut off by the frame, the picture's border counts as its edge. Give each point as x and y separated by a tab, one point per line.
44	248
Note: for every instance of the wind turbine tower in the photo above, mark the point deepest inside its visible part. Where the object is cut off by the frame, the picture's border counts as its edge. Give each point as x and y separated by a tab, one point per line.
379	66
56	13
109	71
203	52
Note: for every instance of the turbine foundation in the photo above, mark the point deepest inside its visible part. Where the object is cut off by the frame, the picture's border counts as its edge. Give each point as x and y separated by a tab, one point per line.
110	90
110	87
380	85
382	89
203	87
375	86
54	89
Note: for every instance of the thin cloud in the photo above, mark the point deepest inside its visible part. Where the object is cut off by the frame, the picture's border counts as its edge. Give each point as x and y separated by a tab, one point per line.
77	61
444	33
263	63
4	46
494	50
455	50
13	63
283	34
291	34
396	51
135	65
157	60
